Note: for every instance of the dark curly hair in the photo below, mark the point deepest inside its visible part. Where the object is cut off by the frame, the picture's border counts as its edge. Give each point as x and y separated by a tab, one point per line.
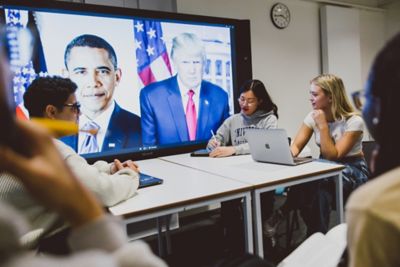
45	91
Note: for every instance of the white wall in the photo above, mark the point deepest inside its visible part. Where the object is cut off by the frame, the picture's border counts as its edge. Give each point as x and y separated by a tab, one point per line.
372	39
340	40
392	19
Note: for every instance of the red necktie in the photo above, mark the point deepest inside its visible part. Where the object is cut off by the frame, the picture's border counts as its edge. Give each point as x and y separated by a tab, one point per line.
191	117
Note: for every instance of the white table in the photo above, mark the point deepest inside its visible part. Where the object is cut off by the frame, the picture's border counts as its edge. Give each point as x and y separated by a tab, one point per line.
183	188
264	177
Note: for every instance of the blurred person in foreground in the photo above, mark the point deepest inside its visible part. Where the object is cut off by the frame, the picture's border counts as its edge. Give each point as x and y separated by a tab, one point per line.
373	211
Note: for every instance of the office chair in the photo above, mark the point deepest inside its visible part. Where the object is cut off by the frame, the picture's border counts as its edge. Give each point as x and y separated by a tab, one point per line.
368	148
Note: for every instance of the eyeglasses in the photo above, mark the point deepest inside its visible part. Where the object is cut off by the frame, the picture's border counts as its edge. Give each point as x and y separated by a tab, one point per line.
249	101
76	107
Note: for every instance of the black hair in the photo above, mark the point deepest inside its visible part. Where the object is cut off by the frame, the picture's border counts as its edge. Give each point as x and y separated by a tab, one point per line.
384	84
93	41
45	91
259	90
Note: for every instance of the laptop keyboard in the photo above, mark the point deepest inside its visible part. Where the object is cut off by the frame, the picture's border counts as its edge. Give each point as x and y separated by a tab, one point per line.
300	159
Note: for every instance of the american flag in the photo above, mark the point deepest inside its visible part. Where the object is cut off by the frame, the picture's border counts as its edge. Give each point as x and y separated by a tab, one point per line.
23	75
151	53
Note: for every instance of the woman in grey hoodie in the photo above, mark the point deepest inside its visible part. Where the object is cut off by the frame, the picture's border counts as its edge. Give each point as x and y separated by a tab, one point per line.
256	111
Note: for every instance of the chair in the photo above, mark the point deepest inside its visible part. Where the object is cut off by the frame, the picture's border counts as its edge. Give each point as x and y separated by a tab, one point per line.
292	224
368	148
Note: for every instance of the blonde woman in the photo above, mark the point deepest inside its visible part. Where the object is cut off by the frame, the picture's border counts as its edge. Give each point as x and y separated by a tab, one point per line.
338	131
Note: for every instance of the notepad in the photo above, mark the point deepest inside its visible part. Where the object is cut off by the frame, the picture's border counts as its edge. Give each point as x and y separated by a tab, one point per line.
200	153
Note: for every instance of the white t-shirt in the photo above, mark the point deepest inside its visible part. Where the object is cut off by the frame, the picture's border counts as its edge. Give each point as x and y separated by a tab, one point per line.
338	128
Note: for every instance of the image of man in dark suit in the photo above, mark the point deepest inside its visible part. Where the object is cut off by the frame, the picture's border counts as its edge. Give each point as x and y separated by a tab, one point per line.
184	107
91	63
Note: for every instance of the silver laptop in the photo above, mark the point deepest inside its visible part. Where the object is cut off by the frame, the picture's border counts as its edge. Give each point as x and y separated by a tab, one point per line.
272	146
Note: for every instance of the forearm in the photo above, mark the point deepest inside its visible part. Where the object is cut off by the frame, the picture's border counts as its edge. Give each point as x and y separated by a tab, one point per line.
295	150
223	133
110	189
327	145
242	149
301	139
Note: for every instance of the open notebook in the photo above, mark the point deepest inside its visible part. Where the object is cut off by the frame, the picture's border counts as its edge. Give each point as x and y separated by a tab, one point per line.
319	250
272	146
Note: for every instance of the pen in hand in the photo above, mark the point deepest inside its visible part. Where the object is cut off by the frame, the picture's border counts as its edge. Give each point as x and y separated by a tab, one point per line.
213	135
213	142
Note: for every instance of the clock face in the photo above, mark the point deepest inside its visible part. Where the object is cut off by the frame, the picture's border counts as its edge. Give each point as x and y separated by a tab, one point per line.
280	15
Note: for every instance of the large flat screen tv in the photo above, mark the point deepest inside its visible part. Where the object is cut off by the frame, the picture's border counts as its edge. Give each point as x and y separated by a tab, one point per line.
156	83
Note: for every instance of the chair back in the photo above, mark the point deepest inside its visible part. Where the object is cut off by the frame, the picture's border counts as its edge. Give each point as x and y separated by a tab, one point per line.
368	147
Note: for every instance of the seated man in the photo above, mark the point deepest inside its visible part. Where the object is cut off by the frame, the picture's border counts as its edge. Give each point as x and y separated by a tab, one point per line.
54	98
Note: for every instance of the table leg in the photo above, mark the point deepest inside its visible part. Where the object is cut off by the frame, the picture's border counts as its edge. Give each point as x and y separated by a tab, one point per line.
339	197
160	237
248	223
257	224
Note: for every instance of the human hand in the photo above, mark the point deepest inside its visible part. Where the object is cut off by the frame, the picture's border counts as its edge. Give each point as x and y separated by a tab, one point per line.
320	118
222	151
213	144
46	176
126	164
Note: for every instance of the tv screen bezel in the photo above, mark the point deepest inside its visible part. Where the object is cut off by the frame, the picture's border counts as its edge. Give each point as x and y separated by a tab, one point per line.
241	55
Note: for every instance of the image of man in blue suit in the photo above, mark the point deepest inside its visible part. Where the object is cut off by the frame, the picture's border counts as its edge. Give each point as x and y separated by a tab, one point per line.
184	107
91	63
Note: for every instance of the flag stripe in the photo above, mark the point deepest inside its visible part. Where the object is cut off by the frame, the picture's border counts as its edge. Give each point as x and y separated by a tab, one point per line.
147	76
166	60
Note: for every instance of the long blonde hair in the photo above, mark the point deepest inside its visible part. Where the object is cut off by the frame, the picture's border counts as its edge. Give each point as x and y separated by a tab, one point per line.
333	87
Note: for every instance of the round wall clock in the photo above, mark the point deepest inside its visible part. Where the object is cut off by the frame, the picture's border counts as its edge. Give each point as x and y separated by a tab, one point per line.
280	15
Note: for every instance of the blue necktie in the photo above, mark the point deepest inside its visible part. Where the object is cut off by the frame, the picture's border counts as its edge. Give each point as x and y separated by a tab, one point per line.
89	144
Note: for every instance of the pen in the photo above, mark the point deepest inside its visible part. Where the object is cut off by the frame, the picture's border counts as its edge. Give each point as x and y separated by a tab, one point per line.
59	127
213	135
